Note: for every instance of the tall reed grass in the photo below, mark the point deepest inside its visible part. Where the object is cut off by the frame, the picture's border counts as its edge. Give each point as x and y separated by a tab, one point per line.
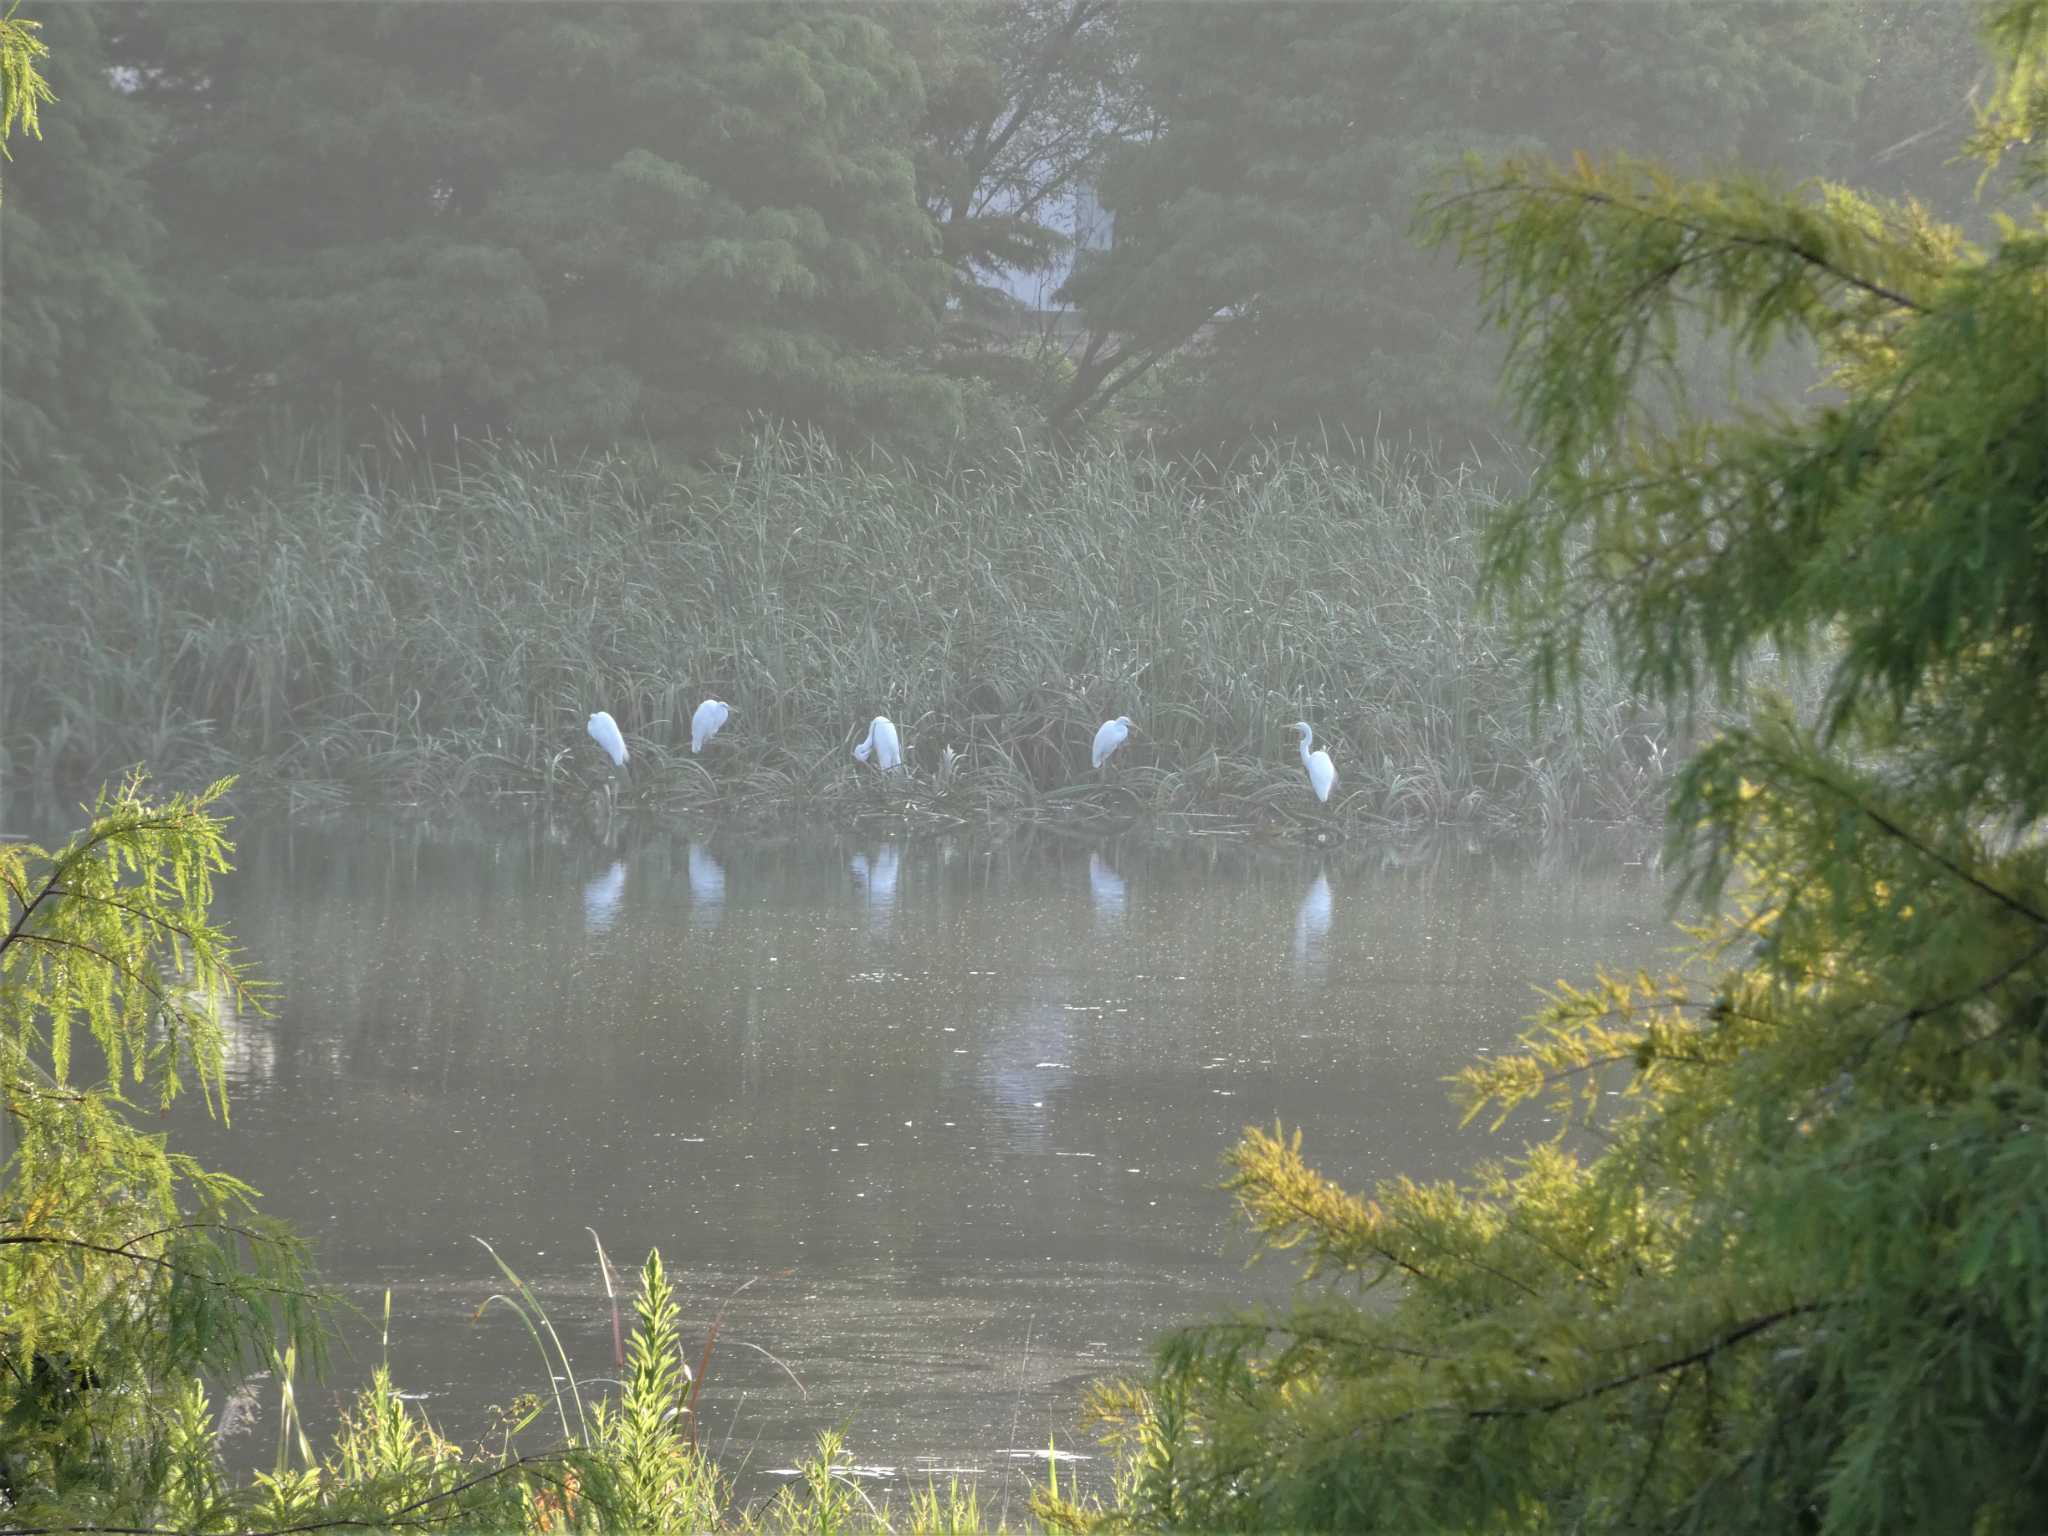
448	636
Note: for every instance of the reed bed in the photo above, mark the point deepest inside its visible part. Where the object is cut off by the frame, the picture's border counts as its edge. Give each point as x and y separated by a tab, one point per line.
447	635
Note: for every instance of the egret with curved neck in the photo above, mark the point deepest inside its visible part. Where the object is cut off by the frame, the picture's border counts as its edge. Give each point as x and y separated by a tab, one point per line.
882	744
1322	773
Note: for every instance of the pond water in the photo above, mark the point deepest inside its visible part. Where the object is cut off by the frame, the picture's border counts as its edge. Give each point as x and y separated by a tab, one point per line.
936	1125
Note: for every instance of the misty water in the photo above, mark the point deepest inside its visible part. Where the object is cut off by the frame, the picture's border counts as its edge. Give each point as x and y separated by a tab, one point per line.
936	1125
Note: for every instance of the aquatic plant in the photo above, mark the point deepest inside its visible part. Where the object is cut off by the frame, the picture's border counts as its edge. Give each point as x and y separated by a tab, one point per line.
448	634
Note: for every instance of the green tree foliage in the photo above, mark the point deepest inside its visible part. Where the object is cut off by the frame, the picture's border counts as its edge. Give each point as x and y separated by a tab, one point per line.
128	1273
1786	1271
90	387
1261	248
124	1267
23	90
592	223
1023	99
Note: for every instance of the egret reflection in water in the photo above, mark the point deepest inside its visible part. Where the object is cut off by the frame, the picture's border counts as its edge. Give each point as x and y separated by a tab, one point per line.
1029	1063
707	887
1312	926
878	881
1105	886
601	897
1068	1051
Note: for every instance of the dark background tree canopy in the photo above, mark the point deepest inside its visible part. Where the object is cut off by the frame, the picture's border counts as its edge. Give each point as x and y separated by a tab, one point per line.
604	224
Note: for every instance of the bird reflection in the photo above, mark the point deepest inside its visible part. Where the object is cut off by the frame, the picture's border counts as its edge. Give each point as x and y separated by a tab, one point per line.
878	880
1106	886
1311	927
707	888
601	897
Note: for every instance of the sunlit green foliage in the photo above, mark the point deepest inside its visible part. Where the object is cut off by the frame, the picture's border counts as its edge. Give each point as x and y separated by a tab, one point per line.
124	1267
1787	1266
23	90
664	1481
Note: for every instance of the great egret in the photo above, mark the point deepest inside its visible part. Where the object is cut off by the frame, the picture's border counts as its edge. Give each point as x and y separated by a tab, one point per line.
1322	773
882	744
704	724
1111	736
604	730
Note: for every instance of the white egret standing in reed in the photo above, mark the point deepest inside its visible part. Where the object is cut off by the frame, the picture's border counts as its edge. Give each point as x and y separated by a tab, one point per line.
882	744
1111	736
704	724
604	730
1322	773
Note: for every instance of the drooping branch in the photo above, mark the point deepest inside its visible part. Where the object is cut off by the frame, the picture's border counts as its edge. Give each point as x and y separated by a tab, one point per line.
1718	1345
1593	197
123	1251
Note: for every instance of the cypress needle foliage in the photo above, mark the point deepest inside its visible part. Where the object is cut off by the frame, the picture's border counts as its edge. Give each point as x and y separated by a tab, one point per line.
23	90
124	1267
1788	1273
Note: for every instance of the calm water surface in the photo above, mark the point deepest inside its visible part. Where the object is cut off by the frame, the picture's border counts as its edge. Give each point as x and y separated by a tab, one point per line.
951	1111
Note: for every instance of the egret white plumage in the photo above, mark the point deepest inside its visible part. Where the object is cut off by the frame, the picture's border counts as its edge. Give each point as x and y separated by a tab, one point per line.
1111	736
1322	773
704	724
882	744
604	730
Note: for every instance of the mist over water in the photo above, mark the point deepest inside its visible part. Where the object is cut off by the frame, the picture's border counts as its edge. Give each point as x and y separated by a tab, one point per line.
950	1111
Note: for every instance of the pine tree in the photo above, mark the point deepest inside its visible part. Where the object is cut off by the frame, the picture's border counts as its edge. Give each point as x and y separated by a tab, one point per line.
1792	1279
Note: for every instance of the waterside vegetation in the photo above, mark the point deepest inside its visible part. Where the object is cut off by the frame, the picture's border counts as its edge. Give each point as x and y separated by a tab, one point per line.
446	633
1788	1272
136	1286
